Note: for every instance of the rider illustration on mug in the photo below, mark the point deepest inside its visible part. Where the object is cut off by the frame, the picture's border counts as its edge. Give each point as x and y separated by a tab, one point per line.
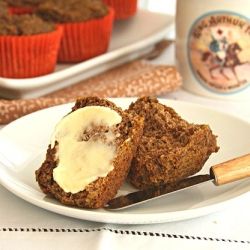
213	47
223	53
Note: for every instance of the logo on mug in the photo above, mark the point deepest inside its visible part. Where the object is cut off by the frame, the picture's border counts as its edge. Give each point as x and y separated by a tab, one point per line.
219	51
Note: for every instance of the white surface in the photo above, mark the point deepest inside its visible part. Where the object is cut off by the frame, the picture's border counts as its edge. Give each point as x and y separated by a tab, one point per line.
162	6
29	146
46	230
126	44
238	108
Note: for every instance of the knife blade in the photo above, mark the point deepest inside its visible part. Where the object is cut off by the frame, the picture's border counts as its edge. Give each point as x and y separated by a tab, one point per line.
220	174
142	196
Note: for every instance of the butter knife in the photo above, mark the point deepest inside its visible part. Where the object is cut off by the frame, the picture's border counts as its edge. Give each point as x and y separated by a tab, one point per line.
220	174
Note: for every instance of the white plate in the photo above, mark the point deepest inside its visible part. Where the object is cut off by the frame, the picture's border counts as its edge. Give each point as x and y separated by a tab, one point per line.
130	39
23	145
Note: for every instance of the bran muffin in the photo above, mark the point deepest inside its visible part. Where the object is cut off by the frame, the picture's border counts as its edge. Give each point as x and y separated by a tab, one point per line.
29	45
98	191
87	27
171	149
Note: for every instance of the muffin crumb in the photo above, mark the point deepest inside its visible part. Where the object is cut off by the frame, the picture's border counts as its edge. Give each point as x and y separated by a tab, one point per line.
23	3
171	149
74	11
3	9
24	25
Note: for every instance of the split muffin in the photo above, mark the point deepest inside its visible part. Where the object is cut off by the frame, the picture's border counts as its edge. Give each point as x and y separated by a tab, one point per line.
28	46
90	153
170	149
87	27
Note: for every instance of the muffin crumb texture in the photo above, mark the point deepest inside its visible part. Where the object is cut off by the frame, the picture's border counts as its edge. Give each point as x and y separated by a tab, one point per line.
19	25
3	10
71	10
23	3
171	149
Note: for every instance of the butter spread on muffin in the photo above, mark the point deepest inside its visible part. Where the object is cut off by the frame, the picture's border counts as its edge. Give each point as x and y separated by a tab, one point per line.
109	131
85	140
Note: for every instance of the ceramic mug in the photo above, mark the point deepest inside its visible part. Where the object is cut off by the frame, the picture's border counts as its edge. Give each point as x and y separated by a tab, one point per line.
213	47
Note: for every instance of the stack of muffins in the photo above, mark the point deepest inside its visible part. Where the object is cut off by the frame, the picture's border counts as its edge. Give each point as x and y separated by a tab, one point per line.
35	34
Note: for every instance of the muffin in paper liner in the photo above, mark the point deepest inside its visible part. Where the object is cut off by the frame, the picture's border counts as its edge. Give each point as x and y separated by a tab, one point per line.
29	56
123	8
84	40
21	10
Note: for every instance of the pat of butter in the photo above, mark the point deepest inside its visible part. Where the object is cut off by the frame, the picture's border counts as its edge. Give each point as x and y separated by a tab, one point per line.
82	162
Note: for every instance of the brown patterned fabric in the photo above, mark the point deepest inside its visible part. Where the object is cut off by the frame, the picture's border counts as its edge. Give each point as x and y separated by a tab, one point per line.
137	78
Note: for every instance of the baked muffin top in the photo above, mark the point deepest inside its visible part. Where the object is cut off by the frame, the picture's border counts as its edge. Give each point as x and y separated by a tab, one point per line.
63	11
25	3
3	9
24	25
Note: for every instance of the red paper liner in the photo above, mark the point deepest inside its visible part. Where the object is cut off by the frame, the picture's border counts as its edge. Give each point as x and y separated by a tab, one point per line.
29	56
21	10
123	8
85	40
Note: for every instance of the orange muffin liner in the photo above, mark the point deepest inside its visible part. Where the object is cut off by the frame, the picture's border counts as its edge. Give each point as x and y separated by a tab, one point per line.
29	56
123	8
21	10
84	40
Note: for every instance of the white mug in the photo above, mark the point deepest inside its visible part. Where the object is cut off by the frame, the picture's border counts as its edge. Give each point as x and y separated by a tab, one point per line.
213	47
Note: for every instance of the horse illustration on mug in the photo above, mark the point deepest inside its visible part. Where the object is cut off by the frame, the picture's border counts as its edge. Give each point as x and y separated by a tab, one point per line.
221	56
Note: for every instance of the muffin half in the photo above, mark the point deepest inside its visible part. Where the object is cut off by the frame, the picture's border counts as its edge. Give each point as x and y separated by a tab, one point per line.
171	149
90	153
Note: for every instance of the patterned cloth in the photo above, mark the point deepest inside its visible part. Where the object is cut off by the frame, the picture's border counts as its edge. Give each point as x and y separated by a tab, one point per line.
137	78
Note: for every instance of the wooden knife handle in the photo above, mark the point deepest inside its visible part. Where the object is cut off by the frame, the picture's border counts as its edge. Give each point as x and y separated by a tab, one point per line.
232	170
